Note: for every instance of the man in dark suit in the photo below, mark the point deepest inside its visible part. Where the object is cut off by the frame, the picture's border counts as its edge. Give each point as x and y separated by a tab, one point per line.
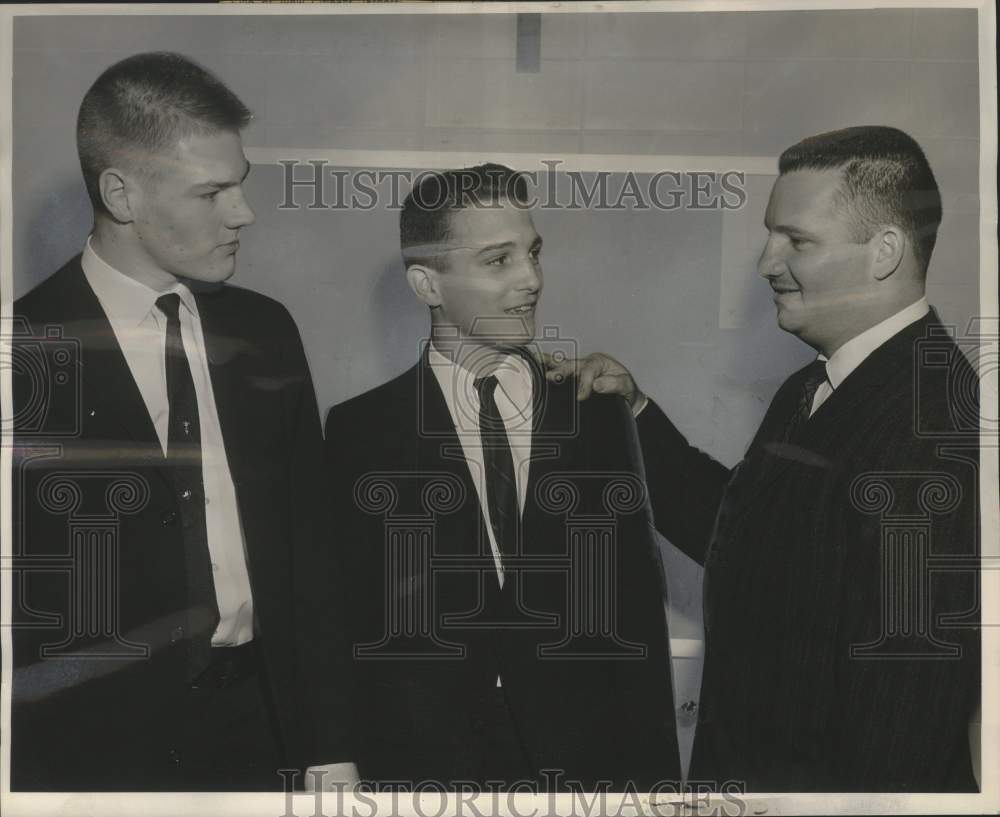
507	599
167	478
841	554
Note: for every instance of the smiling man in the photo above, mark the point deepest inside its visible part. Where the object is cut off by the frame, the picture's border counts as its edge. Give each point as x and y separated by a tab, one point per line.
841	554
506	593
166	497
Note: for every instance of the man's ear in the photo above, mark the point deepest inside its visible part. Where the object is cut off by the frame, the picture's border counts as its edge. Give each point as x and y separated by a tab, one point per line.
890	246
423	282
116	187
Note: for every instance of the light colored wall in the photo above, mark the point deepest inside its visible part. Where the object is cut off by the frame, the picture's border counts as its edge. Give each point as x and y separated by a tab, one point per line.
675	295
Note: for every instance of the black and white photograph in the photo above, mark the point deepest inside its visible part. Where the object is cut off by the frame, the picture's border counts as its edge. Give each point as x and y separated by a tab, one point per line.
499	408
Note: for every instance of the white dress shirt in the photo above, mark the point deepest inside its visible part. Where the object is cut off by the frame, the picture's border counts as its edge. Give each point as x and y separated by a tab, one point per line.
141	330
853	353
514	394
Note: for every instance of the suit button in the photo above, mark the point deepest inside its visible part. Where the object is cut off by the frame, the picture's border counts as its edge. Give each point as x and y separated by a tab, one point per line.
168	518
176	634
186	493
174	757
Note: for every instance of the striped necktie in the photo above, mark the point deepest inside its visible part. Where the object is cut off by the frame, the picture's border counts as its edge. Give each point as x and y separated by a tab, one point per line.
501	485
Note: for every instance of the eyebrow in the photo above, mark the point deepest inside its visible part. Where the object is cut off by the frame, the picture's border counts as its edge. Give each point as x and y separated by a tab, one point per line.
506	245
786	229
226	184
503	245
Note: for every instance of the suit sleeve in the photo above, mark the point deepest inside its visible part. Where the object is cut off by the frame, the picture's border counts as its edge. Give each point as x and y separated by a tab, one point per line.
905	697
319	611
646	703
685	484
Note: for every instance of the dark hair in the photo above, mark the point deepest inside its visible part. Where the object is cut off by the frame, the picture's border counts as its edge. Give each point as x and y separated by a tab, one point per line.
885	180
144	103
425	220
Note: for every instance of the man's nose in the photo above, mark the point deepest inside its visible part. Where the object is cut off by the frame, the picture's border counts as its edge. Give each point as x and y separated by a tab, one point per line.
242	214
531	277
770	264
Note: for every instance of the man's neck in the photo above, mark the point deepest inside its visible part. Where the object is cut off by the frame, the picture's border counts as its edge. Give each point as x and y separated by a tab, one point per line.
869	319
118	251
478	360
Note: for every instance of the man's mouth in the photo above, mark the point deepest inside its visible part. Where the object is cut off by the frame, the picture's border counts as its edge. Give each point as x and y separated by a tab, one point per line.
524	309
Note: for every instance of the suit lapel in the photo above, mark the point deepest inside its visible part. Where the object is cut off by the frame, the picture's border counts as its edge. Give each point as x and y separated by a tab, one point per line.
439	449
232	366
768	457
111	405
555	447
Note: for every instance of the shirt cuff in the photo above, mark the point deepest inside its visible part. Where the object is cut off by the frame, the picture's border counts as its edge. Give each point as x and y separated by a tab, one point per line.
332	776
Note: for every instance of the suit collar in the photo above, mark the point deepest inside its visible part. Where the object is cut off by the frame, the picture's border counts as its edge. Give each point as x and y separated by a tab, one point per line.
514	394
892	360
853	353
110	398
768	457
126	302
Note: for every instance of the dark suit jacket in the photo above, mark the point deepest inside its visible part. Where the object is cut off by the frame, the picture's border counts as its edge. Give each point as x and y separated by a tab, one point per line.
595	707
98	533
795	578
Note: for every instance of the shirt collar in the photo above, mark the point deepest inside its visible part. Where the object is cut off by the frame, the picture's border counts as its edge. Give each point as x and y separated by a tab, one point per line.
126	302
853	353
458	384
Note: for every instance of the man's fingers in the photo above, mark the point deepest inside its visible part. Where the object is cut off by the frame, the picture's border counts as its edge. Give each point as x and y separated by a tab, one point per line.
609	384
595	373
615	384
559	370
585	381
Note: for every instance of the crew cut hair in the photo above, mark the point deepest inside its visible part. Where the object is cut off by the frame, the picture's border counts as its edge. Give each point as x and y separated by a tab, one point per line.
885	179
145	103
425	220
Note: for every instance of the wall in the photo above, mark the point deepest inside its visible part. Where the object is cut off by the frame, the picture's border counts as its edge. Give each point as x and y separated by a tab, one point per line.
675	295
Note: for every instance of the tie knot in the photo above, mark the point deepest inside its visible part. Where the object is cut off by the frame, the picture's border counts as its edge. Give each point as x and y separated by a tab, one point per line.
169	305
485	386
815	374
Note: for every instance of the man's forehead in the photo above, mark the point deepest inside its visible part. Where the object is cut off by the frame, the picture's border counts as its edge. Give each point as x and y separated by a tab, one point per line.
205	149
804	190
483	226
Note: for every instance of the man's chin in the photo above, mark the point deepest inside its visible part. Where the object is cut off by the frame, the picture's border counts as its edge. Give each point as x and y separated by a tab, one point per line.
207	279
788	320
506	330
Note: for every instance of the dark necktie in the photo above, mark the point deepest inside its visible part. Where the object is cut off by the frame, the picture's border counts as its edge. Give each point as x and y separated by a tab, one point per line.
184	462
501	485
815	375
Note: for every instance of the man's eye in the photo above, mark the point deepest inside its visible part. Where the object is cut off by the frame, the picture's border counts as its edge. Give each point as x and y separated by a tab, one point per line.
499	261
210	196
536	253
797	243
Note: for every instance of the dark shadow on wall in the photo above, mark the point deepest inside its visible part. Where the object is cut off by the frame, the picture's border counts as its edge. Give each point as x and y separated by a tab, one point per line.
57	230
402	322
